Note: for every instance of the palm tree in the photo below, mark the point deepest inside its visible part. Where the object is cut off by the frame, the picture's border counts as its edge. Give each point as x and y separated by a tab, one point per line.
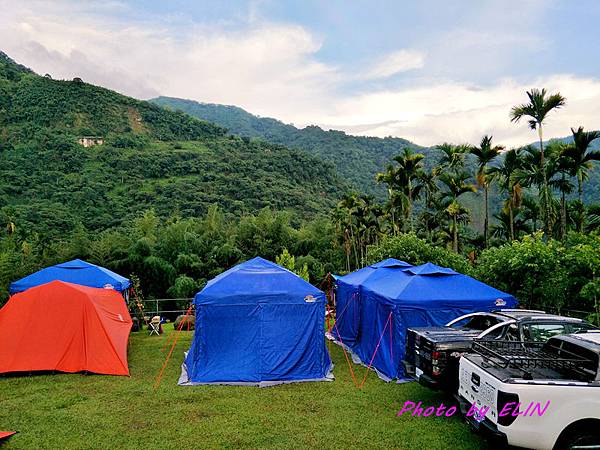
537	109
409	167
530	211
454	185
510	184
366	215
562	184
580	158
428	179
485	154
452	155
532	174
509	225
404	178
433	217
577	215
346	209
389	177
593	213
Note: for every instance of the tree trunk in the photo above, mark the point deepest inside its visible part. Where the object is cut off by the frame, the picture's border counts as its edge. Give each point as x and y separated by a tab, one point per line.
455	234
391	194
348	261
487	217
580	192
563	216
546	200
410	218
512	220
354	245
596	304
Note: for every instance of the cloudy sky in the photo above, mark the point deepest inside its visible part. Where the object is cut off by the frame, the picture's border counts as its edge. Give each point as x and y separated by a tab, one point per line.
430	71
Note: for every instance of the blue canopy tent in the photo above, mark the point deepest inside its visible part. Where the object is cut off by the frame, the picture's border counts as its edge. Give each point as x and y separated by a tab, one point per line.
347	292
390	301
77	272
258	324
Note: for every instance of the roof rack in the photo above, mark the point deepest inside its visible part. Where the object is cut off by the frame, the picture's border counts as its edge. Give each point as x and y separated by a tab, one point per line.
526	356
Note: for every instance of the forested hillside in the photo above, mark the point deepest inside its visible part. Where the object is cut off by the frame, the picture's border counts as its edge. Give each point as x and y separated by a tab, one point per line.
357	158
151	158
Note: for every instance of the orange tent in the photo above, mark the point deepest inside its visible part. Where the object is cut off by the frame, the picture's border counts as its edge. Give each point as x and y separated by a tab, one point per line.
65	327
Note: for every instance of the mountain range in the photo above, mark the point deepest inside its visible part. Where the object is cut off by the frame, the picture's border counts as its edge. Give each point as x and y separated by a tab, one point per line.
146	157
357	158
175	156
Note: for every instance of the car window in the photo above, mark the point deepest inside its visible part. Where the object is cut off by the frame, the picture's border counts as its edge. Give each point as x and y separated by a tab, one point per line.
581	327
477	323
498	333
511	333
541	332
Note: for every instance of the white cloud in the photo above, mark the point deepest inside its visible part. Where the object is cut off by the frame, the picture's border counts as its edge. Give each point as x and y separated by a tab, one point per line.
396	62
459	112
269	68
272	69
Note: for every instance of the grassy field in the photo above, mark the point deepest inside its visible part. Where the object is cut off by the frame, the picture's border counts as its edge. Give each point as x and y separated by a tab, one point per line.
88	411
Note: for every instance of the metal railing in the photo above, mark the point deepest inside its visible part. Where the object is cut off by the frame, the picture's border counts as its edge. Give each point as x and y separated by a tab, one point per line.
155	306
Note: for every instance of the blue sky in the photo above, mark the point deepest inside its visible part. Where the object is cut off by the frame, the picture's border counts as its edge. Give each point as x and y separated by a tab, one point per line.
429	71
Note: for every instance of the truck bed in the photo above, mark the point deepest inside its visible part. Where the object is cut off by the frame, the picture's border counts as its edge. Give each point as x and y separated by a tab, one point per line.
533	362
446	334
513	374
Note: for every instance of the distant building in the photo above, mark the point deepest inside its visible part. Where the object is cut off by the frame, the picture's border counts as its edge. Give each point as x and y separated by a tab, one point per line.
88	141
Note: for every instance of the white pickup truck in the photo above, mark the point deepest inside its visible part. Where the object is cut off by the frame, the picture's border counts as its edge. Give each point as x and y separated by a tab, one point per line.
534	395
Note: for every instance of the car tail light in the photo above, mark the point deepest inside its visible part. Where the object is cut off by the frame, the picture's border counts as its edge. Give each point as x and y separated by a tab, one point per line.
436	363
503	399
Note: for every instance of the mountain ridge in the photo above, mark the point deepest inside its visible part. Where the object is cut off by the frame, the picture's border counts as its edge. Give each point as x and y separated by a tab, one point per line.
151	158
379	150
347	152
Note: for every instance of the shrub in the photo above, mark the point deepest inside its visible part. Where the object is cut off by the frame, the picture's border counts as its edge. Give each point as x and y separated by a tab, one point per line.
531	269
414	250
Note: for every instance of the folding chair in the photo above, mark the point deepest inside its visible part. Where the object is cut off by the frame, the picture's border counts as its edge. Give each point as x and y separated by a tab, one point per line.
154	326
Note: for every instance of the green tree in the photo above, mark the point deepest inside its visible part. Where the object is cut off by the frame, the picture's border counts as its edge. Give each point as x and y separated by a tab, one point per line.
531	269
485	154
580	157
288	261
509	183
414	250
532	173
539	106
509	224
184	287
453	156
404	180
454	185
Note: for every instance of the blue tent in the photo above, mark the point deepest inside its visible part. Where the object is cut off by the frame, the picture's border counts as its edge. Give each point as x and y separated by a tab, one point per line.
389	300
77	272
260	324
347	291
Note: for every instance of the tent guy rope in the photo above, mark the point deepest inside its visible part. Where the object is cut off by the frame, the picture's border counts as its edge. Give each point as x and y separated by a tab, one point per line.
177	333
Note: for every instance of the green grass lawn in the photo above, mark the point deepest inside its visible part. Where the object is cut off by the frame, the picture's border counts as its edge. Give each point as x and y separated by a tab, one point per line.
101	412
